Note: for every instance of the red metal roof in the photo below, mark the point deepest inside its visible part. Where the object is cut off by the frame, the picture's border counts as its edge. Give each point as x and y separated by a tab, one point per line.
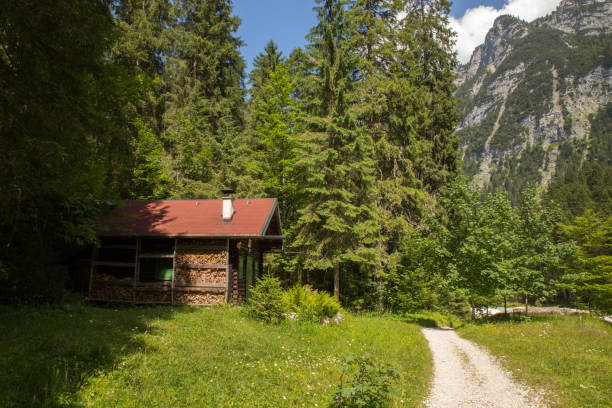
189	218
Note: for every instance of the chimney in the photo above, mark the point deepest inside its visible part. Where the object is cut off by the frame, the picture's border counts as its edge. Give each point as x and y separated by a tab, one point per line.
228	204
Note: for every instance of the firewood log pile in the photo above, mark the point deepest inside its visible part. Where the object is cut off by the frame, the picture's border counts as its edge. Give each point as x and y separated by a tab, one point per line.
108	291
199	277
153	296
200	297
102	277
201	257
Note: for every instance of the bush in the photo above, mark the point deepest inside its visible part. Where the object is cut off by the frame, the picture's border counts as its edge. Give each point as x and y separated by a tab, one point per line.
266	300
364	383
309	304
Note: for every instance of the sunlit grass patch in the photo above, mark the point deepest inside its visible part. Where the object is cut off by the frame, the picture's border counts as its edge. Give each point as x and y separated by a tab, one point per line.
569	357
183	357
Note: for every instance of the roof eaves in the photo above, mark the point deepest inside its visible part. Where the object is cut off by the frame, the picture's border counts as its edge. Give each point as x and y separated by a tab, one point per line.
269	218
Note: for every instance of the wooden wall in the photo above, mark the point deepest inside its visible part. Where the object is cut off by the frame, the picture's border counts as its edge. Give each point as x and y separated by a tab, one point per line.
176	271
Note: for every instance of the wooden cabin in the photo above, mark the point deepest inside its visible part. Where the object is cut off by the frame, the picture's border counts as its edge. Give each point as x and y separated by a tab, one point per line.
196	252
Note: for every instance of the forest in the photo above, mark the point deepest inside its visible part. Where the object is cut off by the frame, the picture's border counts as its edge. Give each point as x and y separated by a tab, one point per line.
354	134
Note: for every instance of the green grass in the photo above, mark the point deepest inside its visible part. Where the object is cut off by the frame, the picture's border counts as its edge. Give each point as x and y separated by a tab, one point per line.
570	359
192	357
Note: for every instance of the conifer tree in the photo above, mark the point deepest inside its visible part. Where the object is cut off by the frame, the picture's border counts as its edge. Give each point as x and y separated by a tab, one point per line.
425	40
264	64
145	27
206	105
275	126
338	221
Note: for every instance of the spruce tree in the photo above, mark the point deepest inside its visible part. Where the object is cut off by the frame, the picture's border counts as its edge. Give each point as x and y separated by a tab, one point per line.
206	103
337	224
145	28
274	127
264	64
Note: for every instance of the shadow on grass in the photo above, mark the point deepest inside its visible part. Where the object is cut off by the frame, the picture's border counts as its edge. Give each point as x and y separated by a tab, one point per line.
47	353
423	321
514	318
432	320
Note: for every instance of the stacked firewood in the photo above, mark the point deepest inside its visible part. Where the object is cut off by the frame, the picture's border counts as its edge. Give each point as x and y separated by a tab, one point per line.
238	288
199	297
102	277
201	257
102	290
199	277
145	296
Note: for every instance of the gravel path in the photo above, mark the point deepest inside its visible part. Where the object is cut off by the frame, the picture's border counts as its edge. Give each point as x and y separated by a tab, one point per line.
465	376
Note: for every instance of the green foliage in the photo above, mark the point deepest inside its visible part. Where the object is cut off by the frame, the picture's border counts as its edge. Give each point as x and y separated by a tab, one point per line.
337	222
266	300
483	248
580	184
512	175
310	304
61	137
365	383
590	269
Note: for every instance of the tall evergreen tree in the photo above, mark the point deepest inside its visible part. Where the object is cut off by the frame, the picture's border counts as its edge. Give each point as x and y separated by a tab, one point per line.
206	105
264	64
275	126
62	111
145	27
427	40
338	222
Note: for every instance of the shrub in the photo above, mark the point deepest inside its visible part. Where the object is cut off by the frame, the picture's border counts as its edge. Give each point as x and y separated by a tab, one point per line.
266	300
310	304
364	383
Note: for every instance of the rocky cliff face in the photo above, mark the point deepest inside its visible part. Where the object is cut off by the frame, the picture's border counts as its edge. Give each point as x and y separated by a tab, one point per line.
529	92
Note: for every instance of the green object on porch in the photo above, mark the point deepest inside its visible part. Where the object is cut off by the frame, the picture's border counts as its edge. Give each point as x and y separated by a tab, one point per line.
163	269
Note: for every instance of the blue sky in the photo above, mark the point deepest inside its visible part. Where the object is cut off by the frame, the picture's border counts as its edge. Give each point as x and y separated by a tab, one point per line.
288	21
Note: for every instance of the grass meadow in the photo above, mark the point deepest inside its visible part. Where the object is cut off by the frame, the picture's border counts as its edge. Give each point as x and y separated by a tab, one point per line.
568	357
79	355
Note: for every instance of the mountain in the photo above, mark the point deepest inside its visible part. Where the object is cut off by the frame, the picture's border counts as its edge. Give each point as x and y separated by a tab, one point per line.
530	95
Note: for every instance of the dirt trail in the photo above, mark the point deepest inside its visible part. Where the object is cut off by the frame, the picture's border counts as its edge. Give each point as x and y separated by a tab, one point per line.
466	376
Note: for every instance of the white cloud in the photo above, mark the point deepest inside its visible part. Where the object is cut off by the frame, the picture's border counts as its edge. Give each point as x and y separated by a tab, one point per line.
473	26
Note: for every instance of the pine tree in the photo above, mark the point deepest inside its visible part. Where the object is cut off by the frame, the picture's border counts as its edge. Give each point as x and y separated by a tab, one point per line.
338	222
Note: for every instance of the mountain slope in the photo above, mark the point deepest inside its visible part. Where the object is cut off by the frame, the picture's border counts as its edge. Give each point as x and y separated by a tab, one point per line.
529	93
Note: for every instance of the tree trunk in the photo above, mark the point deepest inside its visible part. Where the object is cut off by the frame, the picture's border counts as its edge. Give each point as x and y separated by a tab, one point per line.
472	304
299	276
505	307
526	304
337	280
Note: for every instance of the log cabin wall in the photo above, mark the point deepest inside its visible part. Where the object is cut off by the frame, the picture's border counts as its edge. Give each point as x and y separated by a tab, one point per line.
162	270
